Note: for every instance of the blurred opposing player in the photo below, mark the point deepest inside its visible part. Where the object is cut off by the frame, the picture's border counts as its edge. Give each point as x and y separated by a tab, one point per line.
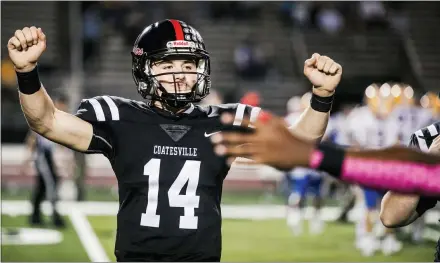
41	151
409	116
302	181
337	132
169	178
431	102
372	127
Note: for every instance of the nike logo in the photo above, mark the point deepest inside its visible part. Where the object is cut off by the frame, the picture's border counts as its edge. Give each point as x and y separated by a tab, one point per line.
210	134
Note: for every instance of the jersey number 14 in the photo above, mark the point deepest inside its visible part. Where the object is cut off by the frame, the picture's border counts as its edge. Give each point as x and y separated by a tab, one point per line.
190	201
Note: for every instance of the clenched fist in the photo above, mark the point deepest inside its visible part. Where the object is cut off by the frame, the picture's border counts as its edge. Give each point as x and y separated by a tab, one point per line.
324	74
26	47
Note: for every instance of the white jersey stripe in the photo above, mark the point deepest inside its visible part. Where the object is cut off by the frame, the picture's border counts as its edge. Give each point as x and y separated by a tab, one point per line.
239	114
113	108
422	142
432	130
254	115
98	109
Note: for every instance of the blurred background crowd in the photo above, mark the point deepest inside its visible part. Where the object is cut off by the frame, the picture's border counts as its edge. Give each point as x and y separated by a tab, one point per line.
390	58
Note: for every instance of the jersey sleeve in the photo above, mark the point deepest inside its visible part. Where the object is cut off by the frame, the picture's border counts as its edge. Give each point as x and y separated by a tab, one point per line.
424	204
238	110
100	112
243	111
424	137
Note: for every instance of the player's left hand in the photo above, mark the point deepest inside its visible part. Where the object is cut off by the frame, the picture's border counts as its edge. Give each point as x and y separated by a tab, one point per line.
270	143
324	74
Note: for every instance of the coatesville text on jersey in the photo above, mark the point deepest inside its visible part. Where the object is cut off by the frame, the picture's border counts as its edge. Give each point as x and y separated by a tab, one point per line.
173	150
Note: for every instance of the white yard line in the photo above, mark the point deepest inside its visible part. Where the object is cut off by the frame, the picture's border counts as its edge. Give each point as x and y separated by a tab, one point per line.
255	212
87	236
78	212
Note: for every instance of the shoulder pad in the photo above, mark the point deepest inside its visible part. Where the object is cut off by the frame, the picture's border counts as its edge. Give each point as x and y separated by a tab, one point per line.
103	108
423	138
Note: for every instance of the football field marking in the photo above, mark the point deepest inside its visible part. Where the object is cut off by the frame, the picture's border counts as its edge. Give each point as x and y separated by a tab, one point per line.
255	212
78	213
87	236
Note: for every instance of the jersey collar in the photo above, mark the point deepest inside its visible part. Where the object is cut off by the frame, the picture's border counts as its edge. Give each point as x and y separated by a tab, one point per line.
187	112
190	109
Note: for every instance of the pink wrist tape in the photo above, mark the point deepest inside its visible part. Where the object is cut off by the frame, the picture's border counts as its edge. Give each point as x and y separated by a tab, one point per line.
405	177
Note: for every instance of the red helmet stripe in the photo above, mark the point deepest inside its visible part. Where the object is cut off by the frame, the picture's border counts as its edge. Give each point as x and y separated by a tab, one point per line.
177	29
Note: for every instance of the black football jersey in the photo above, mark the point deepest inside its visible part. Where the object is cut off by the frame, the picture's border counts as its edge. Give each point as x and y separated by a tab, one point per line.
169	178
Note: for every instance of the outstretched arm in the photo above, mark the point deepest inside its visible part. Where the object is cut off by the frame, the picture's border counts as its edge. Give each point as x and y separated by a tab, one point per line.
402	209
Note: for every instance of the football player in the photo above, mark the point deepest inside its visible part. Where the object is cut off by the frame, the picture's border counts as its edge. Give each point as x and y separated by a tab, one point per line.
398	210
373	127
169	178
337	132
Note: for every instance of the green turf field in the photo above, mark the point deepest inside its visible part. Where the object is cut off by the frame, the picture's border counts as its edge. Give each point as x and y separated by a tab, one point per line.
69	249
243	240
228	197
271	240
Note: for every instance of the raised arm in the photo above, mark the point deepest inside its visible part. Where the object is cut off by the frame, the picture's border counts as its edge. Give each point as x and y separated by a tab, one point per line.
25	48
325	75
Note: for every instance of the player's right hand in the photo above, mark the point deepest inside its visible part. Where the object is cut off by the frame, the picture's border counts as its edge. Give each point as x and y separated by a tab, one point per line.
26	47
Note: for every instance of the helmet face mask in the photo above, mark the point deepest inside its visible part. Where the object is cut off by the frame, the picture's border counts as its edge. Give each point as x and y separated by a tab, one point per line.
158	43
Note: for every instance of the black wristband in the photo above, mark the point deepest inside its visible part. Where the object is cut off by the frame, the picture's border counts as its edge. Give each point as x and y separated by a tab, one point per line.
28	82
321	104
332	159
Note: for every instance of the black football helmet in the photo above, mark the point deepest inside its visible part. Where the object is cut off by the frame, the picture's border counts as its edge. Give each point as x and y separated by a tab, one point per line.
170	39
